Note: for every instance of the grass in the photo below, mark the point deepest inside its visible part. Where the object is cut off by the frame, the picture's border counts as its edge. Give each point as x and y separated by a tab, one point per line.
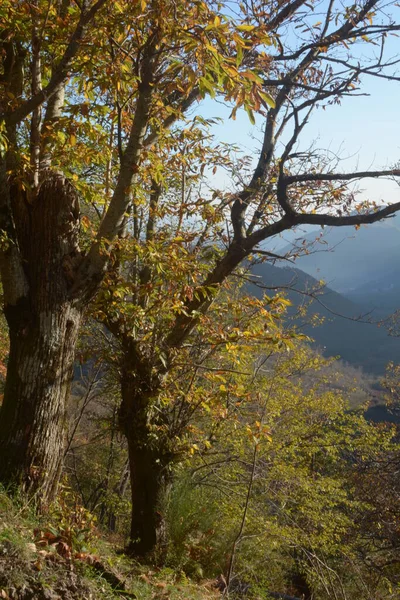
29	562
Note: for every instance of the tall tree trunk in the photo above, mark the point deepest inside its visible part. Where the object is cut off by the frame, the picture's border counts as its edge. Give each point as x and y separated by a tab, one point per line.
149	462
43	323
148	484
32	426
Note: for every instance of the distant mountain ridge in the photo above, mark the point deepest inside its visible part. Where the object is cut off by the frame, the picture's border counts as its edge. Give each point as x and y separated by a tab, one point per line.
381	294
348	259
359	343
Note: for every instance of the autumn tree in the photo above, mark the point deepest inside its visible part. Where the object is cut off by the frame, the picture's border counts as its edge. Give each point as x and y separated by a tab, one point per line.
193	382
86	90
182	243
89	91
283	482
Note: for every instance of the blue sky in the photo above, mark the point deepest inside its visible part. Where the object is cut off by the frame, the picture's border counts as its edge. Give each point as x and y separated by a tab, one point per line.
365	130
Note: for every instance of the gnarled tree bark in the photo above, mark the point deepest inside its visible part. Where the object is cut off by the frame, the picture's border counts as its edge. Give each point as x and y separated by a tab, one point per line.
46	282
43	324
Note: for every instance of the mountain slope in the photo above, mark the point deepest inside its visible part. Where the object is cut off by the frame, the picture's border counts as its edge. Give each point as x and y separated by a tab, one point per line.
357	342
381	294
346	258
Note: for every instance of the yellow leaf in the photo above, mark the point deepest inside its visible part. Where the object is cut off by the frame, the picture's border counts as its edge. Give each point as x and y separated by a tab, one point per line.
246	27
253	76
85	222
232	71
268	99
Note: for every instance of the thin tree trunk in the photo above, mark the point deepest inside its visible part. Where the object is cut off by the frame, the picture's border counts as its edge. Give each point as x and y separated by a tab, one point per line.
119	490
149	462
148	485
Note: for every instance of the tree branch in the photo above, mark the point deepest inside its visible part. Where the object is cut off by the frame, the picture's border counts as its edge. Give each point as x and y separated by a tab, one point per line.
36	87
61	73
369	70
242	200
92	268
284	14
289	179
343	33
183	106
363	219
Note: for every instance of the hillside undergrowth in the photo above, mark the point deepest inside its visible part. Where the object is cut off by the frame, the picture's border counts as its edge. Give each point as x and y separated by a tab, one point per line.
52	558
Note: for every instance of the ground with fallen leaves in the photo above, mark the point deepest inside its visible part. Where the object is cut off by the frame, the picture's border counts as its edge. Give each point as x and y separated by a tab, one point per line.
40	563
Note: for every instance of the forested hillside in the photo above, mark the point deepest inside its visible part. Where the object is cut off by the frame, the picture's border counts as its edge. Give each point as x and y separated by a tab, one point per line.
173	422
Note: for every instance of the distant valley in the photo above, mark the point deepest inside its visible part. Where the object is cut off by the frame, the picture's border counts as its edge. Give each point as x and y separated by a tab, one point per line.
345	258
362	274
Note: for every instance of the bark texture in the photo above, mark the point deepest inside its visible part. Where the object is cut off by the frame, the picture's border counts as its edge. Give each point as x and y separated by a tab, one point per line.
43	323
149	462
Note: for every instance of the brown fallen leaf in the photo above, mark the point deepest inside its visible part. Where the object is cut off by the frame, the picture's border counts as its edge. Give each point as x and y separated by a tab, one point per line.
38	565
64	549
81	556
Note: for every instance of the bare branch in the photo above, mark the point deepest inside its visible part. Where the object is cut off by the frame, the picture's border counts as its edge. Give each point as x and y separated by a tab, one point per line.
362	219
241	202
372	70
284	14
289	179
343	33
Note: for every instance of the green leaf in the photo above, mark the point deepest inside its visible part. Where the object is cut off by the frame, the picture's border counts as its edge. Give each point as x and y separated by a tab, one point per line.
206	86
250	115
267	98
